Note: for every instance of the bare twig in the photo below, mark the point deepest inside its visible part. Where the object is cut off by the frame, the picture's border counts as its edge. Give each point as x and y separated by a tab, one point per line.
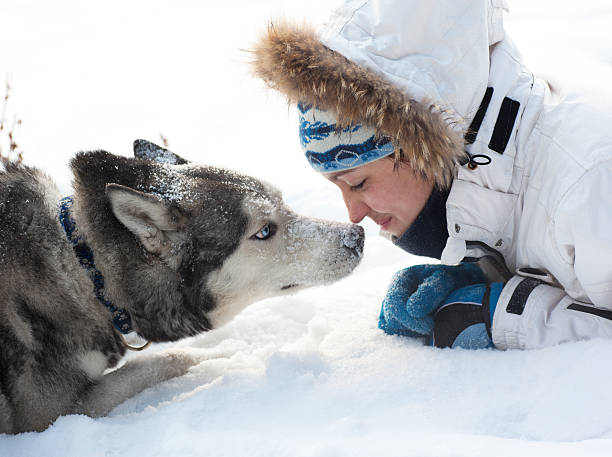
10	151
164	140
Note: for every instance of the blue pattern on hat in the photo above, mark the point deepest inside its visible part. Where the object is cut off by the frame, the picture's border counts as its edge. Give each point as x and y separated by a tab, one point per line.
329	149
316	131
320	130
345	156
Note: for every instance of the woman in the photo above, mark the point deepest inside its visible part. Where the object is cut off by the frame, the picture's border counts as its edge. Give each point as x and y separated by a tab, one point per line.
424	116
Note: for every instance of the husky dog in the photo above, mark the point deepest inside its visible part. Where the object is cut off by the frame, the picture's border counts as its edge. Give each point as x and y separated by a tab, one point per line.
152	244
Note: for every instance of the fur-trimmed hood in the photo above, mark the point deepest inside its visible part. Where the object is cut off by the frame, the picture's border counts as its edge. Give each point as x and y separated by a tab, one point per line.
351	67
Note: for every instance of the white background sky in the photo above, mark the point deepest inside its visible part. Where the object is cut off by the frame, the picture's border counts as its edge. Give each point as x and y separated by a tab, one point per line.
308	375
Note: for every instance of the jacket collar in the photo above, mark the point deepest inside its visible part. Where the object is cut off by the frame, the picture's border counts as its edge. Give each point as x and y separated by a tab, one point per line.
427	235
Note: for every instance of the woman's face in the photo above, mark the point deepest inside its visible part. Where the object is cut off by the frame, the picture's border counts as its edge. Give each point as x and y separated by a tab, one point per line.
391	198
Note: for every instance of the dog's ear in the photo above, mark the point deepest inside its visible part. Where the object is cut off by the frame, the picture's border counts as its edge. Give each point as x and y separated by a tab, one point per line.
144	149
154	224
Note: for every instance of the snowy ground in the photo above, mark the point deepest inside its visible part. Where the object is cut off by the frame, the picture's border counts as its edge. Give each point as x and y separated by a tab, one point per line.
308	375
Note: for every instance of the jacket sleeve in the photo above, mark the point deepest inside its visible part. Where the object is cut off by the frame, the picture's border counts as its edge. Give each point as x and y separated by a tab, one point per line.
532	314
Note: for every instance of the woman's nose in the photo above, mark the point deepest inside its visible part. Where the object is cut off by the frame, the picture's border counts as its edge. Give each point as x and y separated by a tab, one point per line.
357	210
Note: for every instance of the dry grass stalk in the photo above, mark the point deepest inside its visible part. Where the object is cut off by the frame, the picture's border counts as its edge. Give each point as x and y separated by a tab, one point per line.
10	151
164	140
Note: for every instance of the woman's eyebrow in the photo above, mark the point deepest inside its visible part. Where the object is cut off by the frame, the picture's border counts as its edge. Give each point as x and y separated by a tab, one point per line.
334	176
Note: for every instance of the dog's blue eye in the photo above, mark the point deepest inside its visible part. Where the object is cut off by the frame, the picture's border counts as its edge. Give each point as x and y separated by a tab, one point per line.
266	232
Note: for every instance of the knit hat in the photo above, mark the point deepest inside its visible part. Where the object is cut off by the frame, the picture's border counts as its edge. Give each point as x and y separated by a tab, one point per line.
329	148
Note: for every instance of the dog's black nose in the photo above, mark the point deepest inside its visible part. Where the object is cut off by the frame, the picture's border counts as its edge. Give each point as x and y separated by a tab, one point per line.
354	238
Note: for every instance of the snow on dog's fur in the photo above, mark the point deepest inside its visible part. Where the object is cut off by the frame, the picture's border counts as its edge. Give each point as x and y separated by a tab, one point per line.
182	248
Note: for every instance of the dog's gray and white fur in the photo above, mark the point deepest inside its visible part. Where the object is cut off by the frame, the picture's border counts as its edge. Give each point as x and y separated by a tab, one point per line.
182	248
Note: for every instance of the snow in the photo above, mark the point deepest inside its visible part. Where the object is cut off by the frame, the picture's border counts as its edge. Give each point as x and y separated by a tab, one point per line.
307	375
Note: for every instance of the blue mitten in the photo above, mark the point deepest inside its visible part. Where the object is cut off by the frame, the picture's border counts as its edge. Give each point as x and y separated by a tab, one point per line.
464	319
416	292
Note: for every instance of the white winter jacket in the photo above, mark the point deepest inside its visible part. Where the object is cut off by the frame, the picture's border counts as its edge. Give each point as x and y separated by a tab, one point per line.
544	202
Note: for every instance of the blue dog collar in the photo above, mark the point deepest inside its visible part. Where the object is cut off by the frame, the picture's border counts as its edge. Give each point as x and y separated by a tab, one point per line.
329	149
121	319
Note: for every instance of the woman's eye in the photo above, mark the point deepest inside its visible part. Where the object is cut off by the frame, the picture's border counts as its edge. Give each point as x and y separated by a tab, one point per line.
358	186
266	232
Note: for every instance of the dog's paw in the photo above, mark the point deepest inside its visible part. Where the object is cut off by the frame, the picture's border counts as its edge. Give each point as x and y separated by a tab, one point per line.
178	362
164	365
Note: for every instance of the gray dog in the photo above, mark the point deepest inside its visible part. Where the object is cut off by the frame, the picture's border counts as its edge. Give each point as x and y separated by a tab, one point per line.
153	245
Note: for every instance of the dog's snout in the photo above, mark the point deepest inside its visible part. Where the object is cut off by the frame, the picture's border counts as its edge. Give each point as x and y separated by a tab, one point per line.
354	238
